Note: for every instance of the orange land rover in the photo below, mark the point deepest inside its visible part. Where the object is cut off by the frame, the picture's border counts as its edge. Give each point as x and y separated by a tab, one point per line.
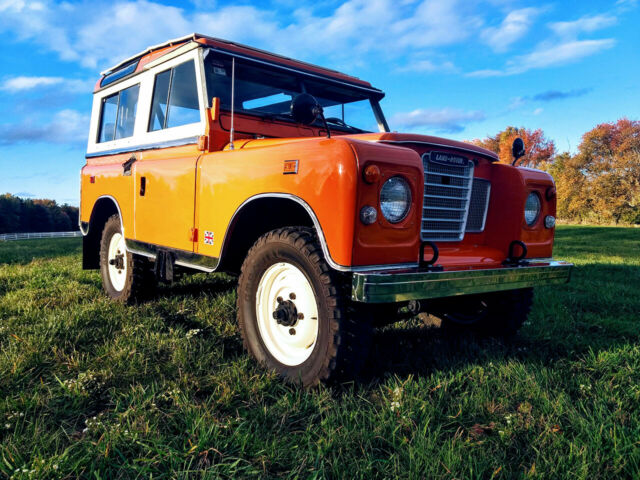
210	156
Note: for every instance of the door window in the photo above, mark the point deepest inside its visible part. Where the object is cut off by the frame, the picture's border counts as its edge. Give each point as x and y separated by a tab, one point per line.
175	98
118	114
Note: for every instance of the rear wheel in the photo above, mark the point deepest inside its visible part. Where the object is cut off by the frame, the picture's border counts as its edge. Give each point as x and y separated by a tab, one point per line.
125	277
294	312
496	314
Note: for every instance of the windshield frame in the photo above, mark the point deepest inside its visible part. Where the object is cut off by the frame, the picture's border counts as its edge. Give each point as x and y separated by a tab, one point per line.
374	95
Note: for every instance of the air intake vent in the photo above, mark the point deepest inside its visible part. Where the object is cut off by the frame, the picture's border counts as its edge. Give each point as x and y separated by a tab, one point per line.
479	205
447	191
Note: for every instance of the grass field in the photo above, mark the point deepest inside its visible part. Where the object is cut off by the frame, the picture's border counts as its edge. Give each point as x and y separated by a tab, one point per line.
99	390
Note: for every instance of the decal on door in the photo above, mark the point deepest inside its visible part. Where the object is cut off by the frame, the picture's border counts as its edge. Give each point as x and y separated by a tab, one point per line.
208	237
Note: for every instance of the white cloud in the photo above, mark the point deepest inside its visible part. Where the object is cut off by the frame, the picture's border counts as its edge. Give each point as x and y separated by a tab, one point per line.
549	55
585	24
66	127
24	83
428	66
99	34
560	54
17	84
514	26
443	120
538	111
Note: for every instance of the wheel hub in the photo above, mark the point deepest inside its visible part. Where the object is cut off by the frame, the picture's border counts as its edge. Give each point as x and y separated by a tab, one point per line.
285	313
118	261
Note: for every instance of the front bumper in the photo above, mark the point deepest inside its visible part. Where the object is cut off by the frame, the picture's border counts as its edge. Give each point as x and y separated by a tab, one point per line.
416	284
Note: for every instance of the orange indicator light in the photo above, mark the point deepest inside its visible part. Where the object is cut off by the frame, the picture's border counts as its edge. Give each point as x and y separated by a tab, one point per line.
371	173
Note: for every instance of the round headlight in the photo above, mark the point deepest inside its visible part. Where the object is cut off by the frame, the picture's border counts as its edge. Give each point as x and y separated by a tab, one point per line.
532	208
395	199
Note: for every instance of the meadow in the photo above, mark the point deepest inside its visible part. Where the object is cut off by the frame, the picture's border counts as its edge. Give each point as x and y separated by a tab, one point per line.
94	389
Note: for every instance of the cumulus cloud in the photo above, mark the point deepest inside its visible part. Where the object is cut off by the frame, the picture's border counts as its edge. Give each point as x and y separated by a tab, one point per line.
24	83
586	24
66	127
81	31
550	55
445	120
514	26
429	66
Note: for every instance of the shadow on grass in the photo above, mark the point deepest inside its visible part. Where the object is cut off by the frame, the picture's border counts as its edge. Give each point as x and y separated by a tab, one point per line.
597	311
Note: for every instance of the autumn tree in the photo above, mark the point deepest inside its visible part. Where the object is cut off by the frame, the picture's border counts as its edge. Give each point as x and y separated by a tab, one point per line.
538	148
609	158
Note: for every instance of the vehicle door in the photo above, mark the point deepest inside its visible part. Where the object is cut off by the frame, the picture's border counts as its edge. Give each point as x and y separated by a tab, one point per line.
165	169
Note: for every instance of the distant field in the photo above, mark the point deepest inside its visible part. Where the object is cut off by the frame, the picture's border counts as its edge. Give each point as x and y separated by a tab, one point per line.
95	389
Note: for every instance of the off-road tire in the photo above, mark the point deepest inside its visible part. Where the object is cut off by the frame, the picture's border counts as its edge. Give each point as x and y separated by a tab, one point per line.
139	281
343	336
505	313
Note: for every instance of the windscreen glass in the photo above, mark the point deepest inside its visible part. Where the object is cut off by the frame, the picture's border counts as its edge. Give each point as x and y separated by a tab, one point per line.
267	92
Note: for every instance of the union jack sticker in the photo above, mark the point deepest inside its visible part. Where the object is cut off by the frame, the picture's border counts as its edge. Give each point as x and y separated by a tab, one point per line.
208	237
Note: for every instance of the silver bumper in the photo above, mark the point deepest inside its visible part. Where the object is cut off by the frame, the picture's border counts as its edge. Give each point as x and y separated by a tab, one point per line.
403	285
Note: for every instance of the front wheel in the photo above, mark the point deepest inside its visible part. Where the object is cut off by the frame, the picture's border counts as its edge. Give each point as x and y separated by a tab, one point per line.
294	313
496	314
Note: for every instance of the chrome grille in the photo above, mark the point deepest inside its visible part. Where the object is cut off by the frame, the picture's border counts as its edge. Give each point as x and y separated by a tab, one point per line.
447	191
478	205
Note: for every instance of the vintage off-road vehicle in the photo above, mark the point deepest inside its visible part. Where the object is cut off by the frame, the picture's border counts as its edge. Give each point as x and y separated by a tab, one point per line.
207	155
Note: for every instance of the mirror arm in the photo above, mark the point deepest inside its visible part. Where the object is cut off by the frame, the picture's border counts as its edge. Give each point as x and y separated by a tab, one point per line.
320	113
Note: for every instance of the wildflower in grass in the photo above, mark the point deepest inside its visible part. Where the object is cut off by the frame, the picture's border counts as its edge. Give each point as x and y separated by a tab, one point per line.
193	332
395	406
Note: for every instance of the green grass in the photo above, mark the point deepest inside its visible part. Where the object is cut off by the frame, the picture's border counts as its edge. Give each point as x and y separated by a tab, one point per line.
89	388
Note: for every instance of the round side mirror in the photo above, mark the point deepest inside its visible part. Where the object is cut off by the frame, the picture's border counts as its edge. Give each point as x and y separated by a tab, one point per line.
518	148
305	109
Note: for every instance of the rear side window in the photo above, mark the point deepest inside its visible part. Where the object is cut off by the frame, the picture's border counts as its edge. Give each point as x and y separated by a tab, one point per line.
118	114
175	98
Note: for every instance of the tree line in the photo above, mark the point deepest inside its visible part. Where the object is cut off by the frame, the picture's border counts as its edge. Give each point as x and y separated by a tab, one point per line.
18	215
600	183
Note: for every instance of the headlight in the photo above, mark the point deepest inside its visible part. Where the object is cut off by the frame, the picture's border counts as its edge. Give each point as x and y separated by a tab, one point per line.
532	208
395	199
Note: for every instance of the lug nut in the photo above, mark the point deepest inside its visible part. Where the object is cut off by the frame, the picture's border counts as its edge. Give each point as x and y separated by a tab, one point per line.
279	299
292	331
292	296
300	316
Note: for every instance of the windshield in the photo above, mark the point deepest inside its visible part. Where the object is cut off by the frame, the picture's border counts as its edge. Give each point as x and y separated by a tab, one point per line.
267	92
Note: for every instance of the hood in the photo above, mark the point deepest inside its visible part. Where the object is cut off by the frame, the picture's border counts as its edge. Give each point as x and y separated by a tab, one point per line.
410	138
400	139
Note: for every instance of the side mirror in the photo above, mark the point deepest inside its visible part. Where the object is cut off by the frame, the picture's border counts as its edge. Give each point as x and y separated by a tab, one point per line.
518	149
305	109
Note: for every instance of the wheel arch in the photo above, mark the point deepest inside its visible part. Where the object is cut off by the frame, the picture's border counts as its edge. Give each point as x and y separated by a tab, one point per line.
260	214
104	207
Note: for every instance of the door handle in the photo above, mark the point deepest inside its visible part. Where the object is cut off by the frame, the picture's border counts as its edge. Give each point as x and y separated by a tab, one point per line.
126	166
143	186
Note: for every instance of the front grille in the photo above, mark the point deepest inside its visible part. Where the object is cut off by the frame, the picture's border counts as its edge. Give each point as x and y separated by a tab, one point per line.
479	205
447	192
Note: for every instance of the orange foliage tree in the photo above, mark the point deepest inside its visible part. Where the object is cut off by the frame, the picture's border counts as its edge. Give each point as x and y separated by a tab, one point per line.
609	159
539	149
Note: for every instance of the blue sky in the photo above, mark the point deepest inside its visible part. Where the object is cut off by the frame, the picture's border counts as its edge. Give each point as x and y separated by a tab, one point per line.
461	69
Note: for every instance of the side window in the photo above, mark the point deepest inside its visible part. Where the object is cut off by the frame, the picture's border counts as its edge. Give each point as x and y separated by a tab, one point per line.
175	98
118	114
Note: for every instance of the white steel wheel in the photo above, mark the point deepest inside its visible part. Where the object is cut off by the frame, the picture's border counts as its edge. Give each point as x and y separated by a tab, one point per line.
117	262
287	313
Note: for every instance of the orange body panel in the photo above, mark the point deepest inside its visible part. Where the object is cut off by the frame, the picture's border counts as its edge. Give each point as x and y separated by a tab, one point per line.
326	181
164	214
